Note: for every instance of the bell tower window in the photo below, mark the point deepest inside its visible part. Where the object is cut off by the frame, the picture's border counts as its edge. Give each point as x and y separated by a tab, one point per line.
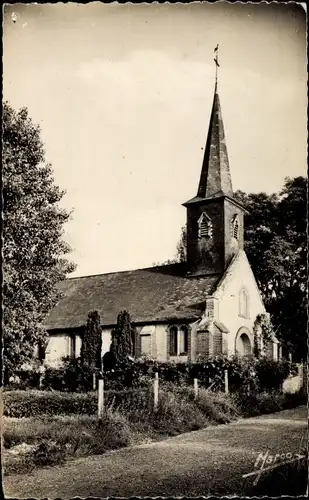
235	227
205	228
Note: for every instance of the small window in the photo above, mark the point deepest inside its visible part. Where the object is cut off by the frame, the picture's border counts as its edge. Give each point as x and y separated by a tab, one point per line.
243	304
235	227
205	228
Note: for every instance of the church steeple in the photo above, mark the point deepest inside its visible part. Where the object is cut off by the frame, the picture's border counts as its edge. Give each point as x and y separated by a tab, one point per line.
215	179
214	218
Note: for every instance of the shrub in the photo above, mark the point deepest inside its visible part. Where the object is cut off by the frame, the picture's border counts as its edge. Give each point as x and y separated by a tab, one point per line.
33	403
176	414
271	374
48	453
218	407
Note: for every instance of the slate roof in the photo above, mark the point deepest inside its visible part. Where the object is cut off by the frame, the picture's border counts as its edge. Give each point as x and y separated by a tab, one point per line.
162	293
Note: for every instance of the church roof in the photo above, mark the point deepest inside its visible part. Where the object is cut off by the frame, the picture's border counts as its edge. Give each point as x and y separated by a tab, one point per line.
215	180
162	293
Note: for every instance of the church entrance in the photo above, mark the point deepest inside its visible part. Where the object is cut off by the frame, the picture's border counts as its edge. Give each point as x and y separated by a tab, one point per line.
243	343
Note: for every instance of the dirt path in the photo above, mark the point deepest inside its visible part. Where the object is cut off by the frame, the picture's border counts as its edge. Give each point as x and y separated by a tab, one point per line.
209	461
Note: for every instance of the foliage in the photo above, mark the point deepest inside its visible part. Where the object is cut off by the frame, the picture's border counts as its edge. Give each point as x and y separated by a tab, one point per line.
52	439
72	375
251	405
181	253
20	404
92	342
123	338
263	332
48	452
33	248
276	245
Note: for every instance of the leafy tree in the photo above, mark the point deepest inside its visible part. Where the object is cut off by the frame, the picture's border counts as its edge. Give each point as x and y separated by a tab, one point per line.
91	350
33	248
123	338
181	253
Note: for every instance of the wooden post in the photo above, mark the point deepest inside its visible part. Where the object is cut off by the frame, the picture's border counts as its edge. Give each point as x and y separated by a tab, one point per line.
226	381
100	398
195	382
94	382
41	375
156	391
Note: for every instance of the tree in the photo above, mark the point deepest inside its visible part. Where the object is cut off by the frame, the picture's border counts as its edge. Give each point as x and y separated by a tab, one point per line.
91	350
33	249
123	337
181	253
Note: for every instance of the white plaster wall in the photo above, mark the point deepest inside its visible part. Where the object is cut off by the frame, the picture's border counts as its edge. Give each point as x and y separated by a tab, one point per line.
58	346
238	276
161	342
194	339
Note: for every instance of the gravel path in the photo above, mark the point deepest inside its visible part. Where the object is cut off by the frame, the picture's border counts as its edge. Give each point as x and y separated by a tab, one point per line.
205	462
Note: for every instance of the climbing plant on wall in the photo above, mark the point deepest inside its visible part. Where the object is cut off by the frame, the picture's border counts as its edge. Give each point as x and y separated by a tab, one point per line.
263	333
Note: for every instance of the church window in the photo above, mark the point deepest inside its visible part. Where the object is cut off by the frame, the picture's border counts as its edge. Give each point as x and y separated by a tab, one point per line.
205	228
235	227
173	340
183	340
243	304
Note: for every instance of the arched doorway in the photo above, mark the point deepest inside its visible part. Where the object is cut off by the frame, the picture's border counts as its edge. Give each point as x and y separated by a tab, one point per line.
243	345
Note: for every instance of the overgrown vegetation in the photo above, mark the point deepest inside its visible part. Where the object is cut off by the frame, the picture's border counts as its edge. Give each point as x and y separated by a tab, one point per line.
244	374
51	427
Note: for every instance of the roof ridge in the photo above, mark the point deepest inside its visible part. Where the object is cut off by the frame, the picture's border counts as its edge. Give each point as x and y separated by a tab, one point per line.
124	271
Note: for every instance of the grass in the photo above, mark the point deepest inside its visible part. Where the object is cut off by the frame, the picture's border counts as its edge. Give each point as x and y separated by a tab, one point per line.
129	419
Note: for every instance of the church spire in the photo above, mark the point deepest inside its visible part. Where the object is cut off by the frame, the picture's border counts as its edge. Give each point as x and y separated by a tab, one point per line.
215	179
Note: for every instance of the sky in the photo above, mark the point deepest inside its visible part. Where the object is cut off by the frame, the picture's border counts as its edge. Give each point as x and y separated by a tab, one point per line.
123	95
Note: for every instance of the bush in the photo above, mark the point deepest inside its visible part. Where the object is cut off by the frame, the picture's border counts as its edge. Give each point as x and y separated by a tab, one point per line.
48	453
34	403
218	407
175	414
271	374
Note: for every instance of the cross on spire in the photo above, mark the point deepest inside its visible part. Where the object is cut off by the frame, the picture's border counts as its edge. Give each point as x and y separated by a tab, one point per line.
216	50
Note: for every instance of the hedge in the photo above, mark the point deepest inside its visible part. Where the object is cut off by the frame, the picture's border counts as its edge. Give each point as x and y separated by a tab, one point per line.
33	403
249	374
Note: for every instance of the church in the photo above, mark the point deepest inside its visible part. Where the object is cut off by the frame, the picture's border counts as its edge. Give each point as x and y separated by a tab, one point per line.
187	311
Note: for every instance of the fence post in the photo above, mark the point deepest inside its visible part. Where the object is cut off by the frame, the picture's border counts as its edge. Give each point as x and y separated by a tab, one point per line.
156	391
195	382
226	381
94	382
41	375
100	398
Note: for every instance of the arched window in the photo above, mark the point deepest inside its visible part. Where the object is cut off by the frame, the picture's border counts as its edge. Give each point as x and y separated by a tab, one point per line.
173	340
183	340
205	228
235	227
243	304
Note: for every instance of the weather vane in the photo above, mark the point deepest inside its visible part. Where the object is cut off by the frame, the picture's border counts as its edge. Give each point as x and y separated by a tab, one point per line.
216	60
